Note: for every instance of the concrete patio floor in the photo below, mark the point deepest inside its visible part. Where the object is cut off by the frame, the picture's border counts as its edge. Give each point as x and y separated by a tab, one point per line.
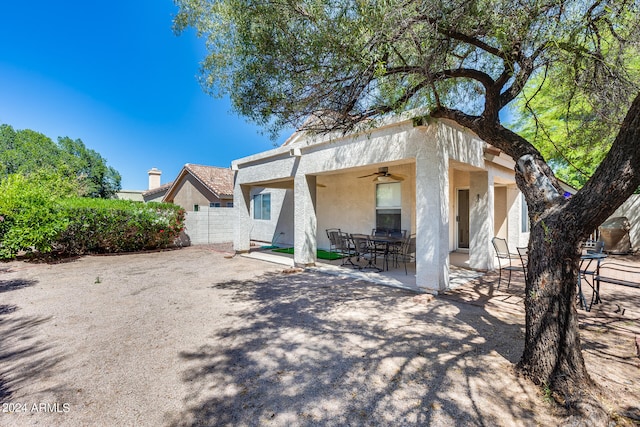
459	273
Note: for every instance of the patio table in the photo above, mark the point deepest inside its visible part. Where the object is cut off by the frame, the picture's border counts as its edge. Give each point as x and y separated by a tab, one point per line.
385	242
586	261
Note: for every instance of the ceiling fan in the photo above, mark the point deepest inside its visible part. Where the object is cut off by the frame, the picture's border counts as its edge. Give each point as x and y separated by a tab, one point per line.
383	175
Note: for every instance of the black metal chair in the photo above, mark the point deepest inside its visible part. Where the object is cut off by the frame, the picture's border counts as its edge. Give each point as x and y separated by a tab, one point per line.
523	253
334	239
505	256
365	249
346	248
407	252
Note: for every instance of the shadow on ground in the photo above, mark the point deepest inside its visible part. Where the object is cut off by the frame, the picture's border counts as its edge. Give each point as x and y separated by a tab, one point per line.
309	349
24	357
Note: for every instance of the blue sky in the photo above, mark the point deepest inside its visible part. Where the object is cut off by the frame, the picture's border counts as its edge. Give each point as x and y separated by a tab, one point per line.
114	75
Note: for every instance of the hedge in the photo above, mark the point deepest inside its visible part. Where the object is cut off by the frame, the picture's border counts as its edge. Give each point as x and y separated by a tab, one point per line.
86	226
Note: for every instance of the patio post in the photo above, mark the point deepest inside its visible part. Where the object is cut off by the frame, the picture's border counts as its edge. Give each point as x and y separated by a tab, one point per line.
305	220
432	213
481	229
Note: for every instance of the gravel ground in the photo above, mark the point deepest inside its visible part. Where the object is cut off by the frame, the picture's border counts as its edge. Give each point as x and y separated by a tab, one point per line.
194	337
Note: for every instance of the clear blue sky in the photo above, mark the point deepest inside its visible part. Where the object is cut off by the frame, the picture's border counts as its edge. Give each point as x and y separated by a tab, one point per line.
113	74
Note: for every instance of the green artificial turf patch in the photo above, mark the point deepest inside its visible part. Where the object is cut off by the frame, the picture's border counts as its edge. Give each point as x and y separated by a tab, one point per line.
322	254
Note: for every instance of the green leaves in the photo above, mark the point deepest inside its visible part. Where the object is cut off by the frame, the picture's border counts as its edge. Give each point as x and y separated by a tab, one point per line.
41	213
26	151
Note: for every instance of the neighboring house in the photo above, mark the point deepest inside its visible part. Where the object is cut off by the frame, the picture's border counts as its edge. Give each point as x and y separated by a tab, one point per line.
442	183
199	186
135	195
156	194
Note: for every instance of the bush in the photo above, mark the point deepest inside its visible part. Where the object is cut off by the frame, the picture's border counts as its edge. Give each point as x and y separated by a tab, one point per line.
110	226
38	213
29	219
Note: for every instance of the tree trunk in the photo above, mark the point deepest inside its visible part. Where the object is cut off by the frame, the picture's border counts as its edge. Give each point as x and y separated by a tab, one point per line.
552	356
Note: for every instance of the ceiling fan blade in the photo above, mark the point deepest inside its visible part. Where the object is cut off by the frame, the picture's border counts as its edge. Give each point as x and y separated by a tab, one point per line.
371	174
396	177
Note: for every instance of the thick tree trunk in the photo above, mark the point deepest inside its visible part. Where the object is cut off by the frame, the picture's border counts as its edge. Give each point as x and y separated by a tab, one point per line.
552	356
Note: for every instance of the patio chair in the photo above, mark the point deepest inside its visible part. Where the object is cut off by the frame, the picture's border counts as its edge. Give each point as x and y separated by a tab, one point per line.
400	234
379	232
334	238
407	252
366	250
523	253
345	247
505	256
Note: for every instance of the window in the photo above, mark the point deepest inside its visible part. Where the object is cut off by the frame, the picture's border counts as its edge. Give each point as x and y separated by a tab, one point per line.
262	206
196	208
388	206
524	214
214	204
229	204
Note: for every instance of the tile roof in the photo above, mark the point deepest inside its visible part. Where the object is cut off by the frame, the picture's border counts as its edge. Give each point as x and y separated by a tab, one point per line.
218	180
163	187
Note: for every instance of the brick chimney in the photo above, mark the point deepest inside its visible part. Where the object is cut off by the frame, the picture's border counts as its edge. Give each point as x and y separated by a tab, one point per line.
154	178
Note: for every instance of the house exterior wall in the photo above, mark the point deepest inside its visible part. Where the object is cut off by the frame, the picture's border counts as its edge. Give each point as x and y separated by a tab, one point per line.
435	160
191	192
500	221
279	228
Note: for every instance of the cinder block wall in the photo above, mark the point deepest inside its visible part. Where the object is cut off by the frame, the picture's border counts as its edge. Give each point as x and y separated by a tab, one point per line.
210	225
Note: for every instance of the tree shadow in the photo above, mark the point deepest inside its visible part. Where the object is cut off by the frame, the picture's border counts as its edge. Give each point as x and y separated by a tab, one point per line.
310	349
15	284
24	356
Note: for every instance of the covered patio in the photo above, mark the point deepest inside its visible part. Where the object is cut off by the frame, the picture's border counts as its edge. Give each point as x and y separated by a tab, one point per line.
435	181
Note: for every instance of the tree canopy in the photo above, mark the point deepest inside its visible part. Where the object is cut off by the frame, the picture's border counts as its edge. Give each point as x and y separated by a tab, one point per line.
566	124
26	151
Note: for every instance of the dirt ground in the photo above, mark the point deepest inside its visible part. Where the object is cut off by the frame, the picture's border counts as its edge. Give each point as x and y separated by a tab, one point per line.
195	337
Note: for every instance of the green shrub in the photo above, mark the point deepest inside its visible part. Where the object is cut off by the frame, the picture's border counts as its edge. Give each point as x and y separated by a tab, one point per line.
29	218
110	226
38	213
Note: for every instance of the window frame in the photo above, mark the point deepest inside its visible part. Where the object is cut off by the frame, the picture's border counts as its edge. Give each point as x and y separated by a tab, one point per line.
260	201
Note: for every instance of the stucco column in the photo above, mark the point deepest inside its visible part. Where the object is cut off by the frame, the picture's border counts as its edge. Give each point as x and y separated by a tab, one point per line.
481	211
432	219
305	221
514	218
242	209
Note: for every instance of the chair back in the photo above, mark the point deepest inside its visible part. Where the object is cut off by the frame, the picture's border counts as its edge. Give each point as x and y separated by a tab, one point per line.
334	236
379	232
523	253
399	234
408	246
362	244
501	247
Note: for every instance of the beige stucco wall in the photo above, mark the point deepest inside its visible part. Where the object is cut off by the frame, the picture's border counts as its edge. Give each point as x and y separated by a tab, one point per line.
348	202
500	222
279	228
191	192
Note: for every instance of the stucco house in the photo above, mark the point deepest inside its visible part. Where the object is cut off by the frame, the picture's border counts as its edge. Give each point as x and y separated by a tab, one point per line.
198	186
431	177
